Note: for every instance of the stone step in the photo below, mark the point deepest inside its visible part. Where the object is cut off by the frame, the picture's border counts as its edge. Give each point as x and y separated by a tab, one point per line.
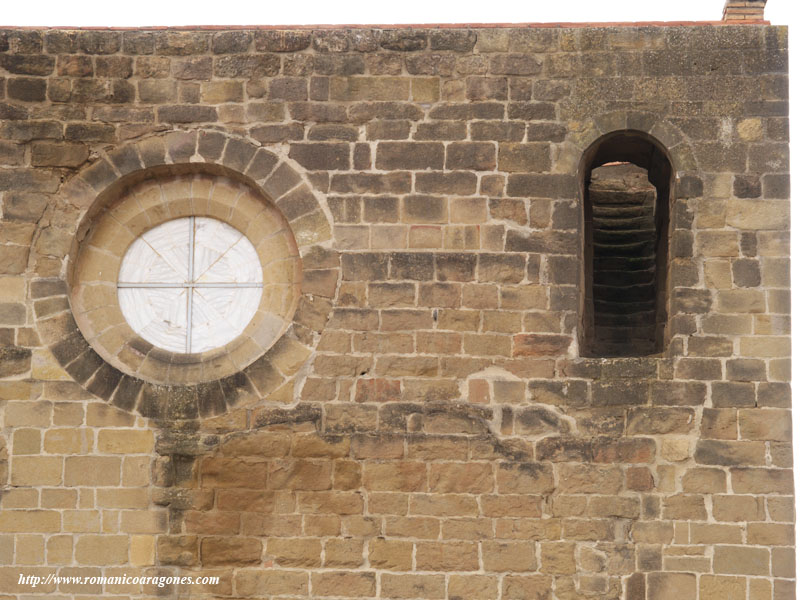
640	249
622	278
603	197
623	236
628	319
603	306
644	223
629	348
623	263
620	212
624	294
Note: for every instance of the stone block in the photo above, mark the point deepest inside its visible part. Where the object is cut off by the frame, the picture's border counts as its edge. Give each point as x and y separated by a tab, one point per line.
321	156
295	552
462	183
741	560
101	549
232	472
660	421
231	42
232	551
91	470
447	556
479	156
524	158
590	479
125	442
409	155
26	89
764	424
400	476
186	114
661	586
36	471
424	209
738	508
338	583
28	64
558	558
523	587
712	452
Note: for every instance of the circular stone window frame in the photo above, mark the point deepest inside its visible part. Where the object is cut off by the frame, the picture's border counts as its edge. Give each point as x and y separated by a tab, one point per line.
160	197
172	385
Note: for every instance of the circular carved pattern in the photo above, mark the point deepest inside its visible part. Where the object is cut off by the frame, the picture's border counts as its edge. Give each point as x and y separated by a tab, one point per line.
190	285
144	239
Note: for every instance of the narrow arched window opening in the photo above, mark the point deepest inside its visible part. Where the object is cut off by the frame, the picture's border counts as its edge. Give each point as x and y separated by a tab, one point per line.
626	196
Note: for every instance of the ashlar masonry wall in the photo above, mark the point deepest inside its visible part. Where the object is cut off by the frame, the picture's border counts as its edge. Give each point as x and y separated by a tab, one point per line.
424	421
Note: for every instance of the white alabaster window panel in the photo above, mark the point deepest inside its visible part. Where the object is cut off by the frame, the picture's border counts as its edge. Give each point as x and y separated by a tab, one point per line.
160	255
221	257
190	285
218	311
157	314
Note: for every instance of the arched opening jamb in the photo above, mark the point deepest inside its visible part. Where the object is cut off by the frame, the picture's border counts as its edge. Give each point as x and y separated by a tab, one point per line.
645	151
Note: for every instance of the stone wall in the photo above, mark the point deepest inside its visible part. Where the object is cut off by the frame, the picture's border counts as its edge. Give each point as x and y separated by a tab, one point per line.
423	423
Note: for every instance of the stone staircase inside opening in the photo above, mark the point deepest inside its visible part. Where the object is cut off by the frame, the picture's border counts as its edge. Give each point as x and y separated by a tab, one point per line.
624	260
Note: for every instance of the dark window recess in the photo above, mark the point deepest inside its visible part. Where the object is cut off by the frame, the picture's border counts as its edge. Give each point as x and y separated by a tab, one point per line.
626	206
